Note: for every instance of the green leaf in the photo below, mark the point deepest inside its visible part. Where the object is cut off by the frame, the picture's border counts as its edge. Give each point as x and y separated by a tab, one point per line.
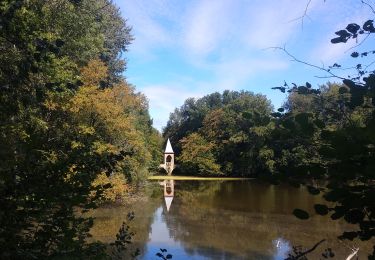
247	115
369	26
276	114
336	40
288	123
301	214
107	186
302	90
319	123
354	54
349	83
335	195
343	90
339	213
349	235
59	43
302	118
353	28
354	216
321	209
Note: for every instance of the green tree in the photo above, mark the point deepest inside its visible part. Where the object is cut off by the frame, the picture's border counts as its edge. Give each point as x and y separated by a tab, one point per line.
236	123
51	149
197	155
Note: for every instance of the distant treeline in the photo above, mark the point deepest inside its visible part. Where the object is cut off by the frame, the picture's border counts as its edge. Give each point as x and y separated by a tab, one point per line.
239	134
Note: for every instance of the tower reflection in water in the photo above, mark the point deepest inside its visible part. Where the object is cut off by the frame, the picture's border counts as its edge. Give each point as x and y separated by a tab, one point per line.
168	186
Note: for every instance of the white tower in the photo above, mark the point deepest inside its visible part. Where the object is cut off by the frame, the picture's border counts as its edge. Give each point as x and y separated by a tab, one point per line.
168	158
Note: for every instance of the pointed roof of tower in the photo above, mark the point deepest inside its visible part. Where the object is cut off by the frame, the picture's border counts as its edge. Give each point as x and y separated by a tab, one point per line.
168	148
168	202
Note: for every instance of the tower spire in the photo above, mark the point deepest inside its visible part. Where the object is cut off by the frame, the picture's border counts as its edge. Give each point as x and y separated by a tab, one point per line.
168	148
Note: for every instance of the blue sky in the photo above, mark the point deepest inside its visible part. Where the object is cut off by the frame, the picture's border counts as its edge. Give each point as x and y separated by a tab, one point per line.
190	48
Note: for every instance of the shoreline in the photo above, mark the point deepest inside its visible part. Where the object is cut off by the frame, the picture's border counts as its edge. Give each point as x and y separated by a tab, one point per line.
196	178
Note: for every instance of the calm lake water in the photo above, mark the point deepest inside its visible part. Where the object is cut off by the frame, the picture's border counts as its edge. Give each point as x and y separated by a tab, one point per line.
224	220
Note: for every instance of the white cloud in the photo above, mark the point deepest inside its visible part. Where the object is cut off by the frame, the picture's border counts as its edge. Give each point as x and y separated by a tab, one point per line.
163	99
144	17
327	53
228	74
222	25
272	23
205	25
199	28
241	68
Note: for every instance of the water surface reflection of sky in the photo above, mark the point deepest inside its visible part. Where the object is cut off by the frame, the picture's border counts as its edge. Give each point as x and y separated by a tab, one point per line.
161	236
224	220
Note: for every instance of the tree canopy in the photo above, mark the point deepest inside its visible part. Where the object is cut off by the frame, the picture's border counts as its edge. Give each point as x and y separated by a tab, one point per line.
72	130
229	127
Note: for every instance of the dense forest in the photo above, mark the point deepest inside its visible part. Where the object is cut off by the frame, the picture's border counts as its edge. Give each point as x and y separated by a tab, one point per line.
238	134
73	131
221	133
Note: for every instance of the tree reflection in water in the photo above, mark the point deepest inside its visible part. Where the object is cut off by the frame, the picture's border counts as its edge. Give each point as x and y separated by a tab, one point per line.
234	220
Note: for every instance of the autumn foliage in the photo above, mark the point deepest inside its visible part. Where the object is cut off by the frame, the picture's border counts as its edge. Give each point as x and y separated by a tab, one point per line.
73	132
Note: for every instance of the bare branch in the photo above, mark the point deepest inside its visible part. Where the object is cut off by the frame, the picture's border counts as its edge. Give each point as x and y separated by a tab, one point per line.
369	65
324	77
355	46
341	68
306	252
302	17
306	63
369	5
